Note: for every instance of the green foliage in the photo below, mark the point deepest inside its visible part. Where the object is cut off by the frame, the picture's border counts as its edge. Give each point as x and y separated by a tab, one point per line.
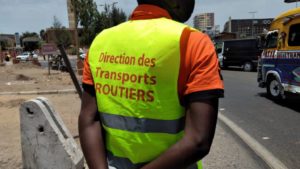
3	44
117	16
56	23
92	21
43	34
29	34
62	35
30	46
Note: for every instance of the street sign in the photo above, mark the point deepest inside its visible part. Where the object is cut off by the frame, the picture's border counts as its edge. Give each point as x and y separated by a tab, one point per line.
49	49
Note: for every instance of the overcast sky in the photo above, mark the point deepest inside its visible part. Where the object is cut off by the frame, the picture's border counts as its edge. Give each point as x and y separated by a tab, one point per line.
34	15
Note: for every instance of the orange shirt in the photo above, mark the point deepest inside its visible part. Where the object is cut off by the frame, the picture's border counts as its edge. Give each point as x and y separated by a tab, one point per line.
199	68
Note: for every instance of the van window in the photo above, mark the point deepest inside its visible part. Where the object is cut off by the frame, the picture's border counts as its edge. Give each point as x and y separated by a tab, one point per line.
240	44
294	35
272	39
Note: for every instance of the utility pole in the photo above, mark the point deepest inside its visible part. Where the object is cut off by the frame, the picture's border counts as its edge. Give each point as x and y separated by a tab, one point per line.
252	24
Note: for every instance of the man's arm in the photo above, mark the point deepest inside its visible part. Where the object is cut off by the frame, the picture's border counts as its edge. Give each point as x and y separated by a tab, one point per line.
90	133
201	119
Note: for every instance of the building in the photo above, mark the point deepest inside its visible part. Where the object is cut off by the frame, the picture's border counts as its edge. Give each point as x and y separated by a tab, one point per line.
247	28
204	21
67	34
7	41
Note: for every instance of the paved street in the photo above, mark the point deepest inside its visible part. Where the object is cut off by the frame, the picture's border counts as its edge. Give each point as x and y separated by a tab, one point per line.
72	59
274	125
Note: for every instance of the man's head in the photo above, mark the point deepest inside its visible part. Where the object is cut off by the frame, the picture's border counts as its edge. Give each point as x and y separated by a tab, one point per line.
180	10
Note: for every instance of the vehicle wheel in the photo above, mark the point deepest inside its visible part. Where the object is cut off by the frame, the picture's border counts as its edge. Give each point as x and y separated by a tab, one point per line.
274	89
248	66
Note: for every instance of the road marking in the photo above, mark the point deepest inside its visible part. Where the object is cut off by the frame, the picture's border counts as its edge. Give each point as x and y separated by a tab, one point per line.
266	138
259	149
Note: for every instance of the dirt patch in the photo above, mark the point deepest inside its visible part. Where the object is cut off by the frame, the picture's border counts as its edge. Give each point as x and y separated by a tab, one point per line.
29	77
26	65
23	77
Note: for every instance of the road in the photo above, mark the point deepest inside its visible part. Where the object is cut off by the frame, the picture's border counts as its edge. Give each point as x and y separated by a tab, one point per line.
44	63
275	125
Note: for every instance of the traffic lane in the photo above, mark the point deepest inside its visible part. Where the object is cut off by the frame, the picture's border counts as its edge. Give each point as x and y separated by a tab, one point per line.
276	126
44	63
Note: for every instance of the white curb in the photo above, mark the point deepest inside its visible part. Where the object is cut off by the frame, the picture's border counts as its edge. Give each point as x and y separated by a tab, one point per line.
259	149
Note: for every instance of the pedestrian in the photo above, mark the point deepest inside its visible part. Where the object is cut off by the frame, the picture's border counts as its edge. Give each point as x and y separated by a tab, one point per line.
153	84
7	57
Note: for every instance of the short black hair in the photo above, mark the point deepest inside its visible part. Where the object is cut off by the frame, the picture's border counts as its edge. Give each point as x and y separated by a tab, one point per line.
178	9
152	2
159	3
141	1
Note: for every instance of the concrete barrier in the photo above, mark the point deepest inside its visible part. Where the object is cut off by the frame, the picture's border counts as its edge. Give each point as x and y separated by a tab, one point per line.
46	142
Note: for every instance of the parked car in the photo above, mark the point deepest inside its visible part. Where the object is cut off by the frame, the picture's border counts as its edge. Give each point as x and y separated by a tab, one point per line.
26	56
82	56
220	56
241	52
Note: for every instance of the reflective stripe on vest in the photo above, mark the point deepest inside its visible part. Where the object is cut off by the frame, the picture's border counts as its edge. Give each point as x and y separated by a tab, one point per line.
135	68
142	125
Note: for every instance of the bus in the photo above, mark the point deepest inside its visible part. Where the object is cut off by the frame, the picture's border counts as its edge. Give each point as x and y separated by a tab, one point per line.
279	65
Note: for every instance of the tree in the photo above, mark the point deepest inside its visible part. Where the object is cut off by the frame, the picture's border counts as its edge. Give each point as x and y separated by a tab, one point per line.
33	41
56	22
87	17
93	22
117	16
3	44
28	34
43	34
62	35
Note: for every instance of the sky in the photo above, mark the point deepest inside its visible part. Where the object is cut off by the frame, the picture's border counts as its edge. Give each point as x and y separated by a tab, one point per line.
33	15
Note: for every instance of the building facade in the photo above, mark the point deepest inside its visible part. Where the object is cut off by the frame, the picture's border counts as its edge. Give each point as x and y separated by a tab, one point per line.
7	41
204	21
52	35
247	28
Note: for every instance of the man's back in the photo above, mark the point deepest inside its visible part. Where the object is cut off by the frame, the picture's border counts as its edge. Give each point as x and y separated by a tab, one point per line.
136	87
156	88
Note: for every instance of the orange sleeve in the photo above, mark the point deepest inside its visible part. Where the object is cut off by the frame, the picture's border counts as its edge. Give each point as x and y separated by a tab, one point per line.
87	77
200	66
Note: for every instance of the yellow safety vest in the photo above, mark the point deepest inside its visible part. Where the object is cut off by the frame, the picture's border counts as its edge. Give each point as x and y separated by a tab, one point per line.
135	68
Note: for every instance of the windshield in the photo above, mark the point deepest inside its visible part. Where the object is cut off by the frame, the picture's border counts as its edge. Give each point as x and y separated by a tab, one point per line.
294	35
272	39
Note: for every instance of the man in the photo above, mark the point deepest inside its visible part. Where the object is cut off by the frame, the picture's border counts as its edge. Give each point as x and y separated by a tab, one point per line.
153	84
